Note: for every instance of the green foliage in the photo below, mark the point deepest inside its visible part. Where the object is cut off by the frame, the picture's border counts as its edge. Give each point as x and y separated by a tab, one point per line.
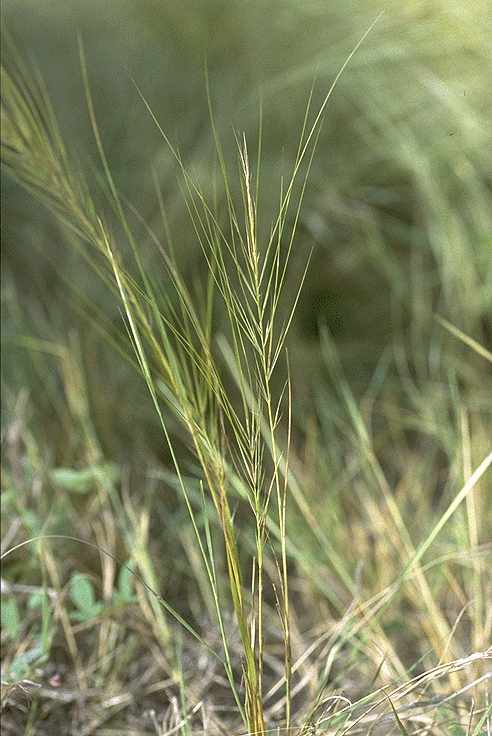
11	624
83	481
25	662
83	597
124	594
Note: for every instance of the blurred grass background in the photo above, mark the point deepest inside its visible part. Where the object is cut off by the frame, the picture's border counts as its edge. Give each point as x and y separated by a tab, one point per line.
397	209
400	183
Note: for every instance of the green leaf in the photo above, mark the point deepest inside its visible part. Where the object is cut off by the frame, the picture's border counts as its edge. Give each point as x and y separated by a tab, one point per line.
82	595
22	664
83	480
40	600
125	593
10	618
37	599
32	521
75	481
82	591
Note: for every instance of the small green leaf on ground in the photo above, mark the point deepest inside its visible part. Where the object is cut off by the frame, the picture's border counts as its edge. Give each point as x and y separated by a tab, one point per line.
125	594
83	597
10	618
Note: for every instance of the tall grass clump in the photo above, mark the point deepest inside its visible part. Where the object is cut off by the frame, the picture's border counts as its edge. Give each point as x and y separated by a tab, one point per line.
238	426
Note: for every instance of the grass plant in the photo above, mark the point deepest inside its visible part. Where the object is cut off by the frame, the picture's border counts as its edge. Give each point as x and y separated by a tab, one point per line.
300	546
